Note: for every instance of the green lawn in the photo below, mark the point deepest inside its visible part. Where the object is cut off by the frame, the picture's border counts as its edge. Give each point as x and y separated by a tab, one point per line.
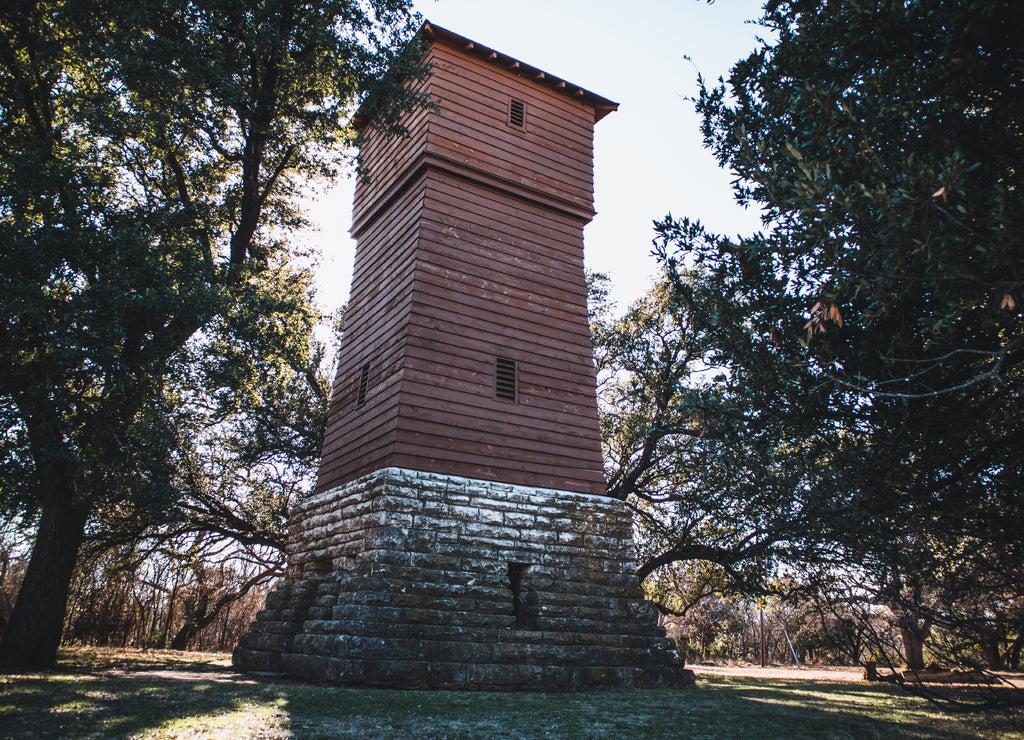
99	693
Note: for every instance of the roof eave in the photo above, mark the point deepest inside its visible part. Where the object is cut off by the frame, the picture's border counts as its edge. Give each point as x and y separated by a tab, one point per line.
602	106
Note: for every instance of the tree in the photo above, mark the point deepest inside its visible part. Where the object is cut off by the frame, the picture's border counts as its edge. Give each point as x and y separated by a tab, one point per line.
150	156
880	329
249	431
717	478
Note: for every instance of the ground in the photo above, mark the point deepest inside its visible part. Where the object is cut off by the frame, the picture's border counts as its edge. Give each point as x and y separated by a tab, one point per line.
98	693
807	673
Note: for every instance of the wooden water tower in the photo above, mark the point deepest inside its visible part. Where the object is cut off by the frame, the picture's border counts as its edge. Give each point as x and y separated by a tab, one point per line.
467	346
459	535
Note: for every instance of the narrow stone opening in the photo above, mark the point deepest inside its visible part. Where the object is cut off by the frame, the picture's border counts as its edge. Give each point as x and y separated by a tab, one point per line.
519	584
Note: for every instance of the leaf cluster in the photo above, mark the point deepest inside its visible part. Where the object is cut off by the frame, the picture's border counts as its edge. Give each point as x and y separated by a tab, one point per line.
871	334
151	156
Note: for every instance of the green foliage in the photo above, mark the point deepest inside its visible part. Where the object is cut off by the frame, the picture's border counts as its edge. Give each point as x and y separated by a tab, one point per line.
882	143
718	481
871	337
149	166
150	159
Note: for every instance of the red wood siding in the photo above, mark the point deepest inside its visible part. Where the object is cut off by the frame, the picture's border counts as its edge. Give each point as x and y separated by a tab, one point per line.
385	159
358	437
553	155
470	248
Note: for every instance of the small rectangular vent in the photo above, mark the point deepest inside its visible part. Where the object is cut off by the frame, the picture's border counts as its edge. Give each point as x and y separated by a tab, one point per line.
506	379
517	113
364	385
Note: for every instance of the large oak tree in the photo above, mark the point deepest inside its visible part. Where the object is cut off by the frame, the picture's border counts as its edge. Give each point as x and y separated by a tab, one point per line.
871	336
151	154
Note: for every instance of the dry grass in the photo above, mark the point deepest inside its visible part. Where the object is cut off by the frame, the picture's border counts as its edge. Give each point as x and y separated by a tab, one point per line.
806	673
106	693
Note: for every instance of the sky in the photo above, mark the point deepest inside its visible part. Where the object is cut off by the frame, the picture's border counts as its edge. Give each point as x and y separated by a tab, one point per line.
649	158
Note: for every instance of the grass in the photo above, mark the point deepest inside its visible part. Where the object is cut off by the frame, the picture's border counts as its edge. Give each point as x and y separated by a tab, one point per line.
105	693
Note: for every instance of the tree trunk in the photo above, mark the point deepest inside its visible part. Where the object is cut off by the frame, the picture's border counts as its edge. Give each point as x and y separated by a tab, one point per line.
990	651
764	645
192	627
200	617
913	648
170	615
1012	656
856	649
33	634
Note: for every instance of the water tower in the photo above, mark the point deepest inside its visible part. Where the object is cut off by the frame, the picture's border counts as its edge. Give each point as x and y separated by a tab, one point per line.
459	535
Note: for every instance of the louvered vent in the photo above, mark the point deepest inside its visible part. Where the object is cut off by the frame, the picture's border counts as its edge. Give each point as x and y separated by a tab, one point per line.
517	113
364	384
506	379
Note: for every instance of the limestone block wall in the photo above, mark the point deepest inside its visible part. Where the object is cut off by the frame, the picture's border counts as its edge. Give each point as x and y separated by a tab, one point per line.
416	579
442	514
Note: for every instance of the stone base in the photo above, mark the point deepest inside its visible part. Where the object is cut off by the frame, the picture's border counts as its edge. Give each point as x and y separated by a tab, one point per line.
417	580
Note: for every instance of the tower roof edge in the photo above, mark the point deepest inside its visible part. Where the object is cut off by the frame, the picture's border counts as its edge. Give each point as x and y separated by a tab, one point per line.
602	106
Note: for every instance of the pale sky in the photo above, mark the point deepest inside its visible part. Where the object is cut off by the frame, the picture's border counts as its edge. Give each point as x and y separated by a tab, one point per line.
648	155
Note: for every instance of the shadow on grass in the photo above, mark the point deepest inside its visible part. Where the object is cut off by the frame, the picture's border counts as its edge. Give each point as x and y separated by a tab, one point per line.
122	693
155	696
795	708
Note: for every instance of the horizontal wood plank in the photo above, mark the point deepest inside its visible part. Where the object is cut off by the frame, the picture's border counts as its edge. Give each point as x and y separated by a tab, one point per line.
453	272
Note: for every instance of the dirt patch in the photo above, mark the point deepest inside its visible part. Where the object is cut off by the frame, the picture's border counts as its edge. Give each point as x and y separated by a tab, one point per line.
814	673
162	665
215	668
172	674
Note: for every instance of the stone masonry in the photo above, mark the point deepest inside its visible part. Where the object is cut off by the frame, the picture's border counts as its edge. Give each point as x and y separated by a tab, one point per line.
420	580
